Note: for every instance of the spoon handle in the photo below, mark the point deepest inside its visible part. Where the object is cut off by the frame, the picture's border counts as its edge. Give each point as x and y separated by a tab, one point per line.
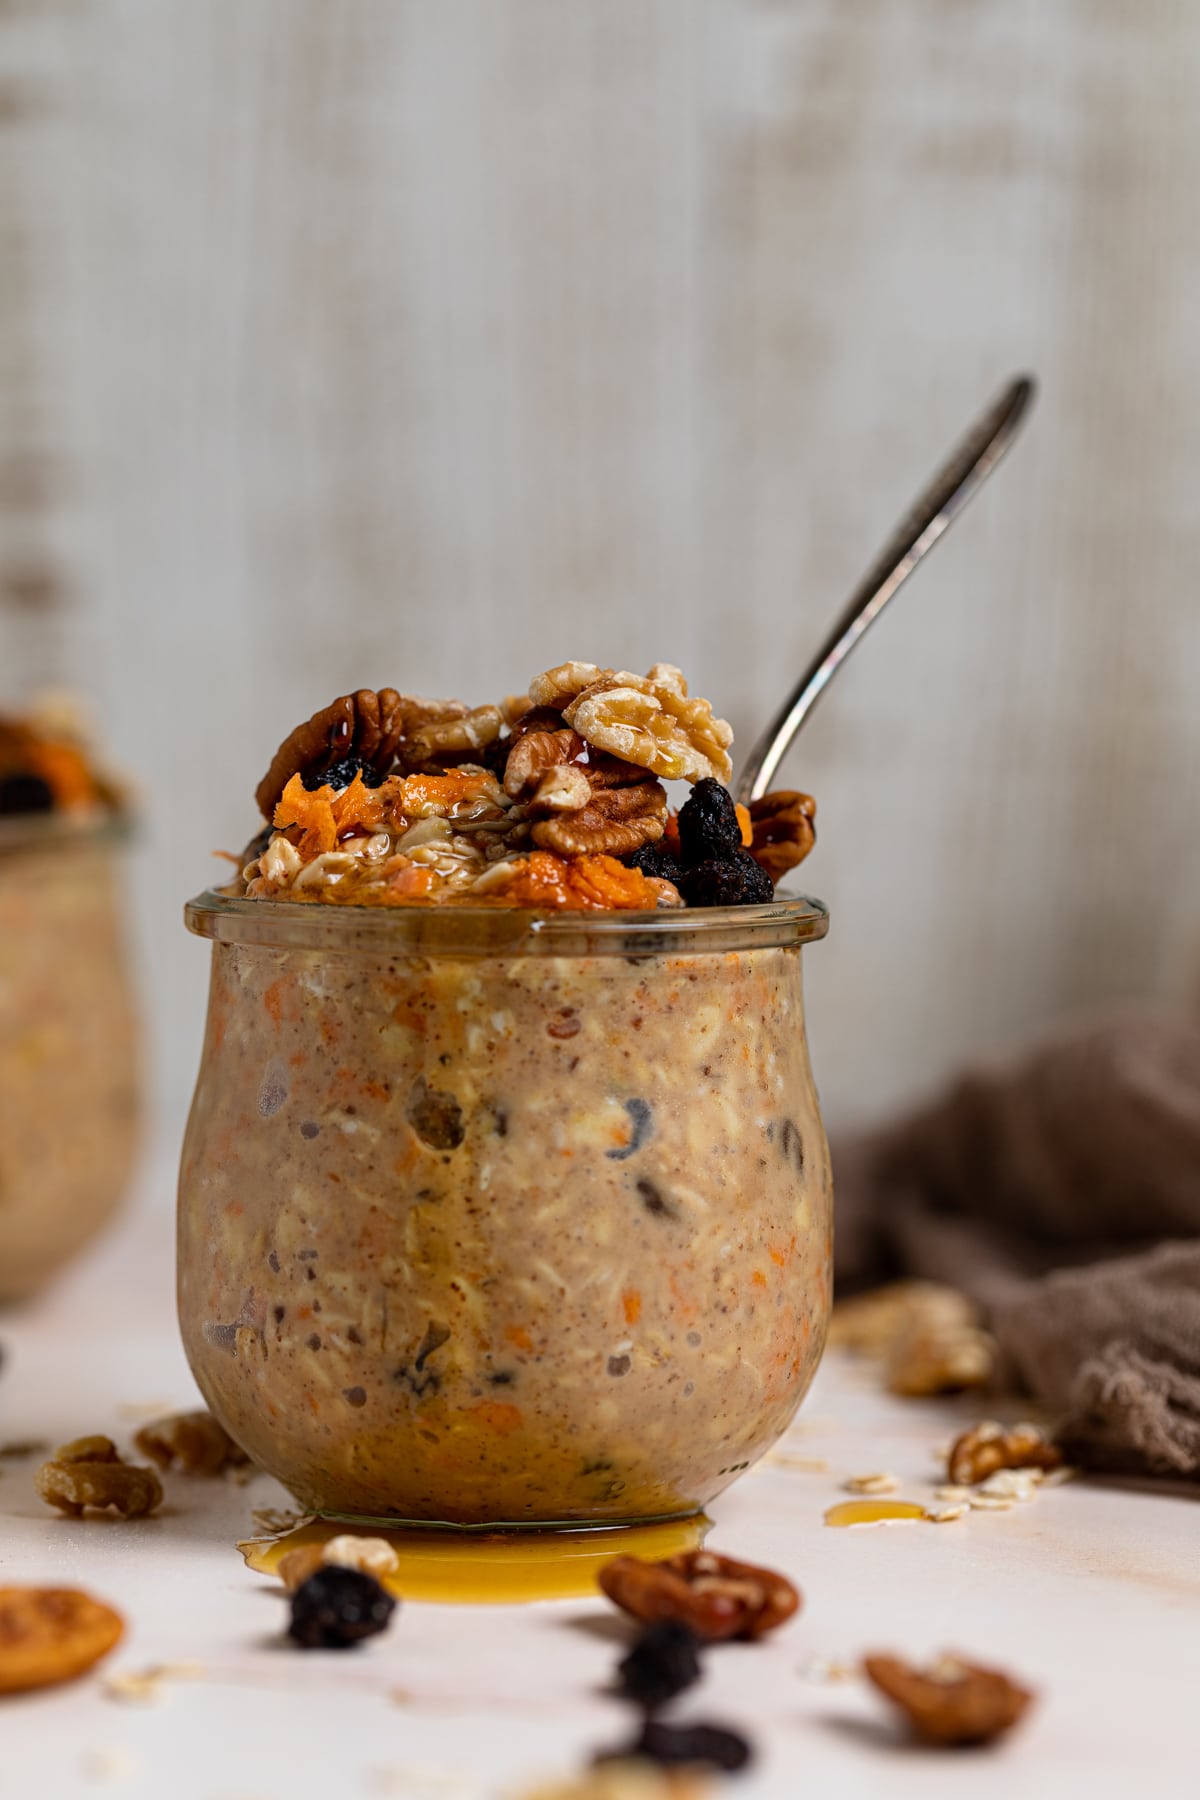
965	470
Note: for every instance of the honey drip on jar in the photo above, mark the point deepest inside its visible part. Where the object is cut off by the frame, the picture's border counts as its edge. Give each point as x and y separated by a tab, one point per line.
492	1570
873	1512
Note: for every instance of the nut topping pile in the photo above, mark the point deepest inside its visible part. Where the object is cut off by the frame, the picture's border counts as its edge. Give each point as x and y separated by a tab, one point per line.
552	799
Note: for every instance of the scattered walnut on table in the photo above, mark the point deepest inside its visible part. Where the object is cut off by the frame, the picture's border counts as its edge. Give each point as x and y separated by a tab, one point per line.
989	1446
953	1702
947	1359
783	830
714	1595
927	1336
372	1555
611	824
193	1442
88	1472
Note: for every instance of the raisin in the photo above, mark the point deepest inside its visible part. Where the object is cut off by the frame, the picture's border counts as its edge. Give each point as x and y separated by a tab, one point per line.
336	1608
708	824
341	774
662	1663
25	794
701	1746
641	1117
656	862
713	1746
734	881
435	1117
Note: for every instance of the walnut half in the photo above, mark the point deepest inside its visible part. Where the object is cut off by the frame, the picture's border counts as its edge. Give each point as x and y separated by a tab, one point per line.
952	1702
88	1472
193	1442
612	823
988	1447
784	830
366	724
715	1596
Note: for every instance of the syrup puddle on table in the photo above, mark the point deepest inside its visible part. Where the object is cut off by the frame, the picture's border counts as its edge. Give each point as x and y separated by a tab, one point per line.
873	1512
499	1570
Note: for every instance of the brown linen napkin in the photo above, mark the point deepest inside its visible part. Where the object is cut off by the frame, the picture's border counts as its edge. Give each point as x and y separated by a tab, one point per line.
1062	1192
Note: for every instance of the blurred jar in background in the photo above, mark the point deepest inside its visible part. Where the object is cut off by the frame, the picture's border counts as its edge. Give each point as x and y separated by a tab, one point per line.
69	1075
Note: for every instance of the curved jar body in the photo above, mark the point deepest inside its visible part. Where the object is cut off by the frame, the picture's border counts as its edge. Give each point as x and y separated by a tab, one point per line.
68	1050
528	1227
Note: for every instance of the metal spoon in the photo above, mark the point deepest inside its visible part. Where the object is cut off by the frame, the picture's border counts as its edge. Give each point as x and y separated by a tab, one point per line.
936	508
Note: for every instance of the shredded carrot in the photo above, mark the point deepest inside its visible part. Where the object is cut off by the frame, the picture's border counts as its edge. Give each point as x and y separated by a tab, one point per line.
498	1416
548	881
518	1337
631	1302
410	882
744	820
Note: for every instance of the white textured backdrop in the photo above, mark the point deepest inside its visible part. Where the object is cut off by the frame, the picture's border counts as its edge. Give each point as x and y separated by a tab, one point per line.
383	341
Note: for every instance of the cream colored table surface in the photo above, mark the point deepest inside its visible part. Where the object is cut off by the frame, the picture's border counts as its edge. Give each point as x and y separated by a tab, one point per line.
1091	1592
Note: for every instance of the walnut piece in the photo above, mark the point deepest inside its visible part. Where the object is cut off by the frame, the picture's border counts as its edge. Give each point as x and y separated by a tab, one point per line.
714	1595
988	1446
952	1702
451	739
88	1472
611	824
783	830
535	752
946	1359
926	1335
653	724
49	1635
562	790
366	724
192	1442
558	686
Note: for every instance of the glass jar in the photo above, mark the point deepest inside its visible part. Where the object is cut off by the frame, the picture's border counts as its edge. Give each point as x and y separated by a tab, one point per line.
497	1218
68	1046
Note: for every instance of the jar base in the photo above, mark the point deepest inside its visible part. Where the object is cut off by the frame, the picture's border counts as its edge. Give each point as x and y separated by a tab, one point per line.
505	1527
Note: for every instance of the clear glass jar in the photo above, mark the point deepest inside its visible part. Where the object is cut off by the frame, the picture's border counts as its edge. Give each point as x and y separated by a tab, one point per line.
489	1217
69	1072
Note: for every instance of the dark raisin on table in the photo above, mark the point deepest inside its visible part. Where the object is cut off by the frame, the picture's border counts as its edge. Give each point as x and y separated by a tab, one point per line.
663	1662
702	1746
336	1608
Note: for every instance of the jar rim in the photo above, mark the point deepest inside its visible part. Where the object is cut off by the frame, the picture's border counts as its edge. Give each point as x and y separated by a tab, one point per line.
59	831
786	922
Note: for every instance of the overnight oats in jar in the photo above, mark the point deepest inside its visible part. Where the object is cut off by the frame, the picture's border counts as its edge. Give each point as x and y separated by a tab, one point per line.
68	1030
505	1198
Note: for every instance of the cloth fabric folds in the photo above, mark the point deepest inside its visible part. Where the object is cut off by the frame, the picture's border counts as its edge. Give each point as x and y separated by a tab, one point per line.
1062	1192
